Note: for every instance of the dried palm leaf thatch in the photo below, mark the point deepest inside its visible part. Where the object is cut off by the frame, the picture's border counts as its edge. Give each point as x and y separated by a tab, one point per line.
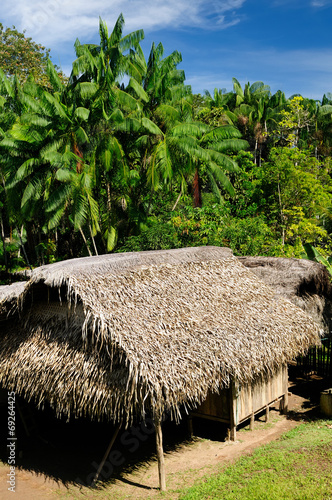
146	332
305	283
9	298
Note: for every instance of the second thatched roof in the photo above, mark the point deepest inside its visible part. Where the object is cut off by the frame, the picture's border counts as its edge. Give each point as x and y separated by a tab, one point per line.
305	283
120	335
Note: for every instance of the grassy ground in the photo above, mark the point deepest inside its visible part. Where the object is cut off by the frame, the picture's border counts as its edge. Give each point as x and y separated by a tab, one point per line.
296	467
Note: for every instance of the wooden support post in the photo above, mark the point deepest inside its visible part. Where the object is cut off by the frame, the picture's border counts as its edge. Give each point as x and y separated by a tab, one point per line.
233	408
285	397
285	403
267	413
160	455
252	421
190	427
233	432
281	405
106	454
252	416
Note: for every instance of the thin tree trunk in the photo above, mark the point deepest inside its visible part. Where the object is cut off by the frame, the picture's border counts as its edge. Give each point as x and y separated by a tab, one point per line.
255	155
109	203
281	215
56	242
42	257
86	243
2	227
177	201
3	242
93	240
23	248
19	250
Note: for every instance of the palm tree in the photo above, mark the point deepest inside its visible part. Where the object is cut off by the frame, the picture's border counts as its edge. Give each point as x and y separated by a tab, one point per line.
183	146
116	112
107	63
48	136
256	113
15	100
320	134
175	145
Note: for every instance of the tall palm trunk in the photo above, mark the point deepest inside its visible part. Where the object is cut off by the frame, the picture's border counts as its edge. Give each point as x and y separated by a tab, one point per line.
79	163
197	191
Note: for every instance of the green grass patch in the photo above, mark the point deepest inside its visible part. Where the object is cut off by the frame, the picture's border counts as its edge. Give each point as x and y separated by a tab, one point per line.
296	467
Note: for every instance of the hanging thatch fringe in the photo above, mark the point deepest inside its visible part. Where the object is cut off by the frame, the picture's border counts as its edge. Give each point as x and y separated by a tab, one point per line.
146	332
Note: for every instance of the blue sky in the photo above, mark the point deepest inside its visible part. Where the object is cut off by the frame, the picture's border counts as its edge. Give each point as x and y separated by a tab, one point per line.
287	44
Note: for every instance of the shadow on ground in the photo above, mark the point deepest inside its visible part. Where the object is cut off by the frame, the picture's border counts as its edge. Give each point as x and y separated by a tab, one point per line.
70	452
308	387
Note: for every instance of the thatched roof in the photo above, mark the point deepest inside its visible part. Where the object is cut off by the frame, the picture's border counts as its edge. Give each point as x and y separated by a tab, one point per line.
9	298
125	334
305	283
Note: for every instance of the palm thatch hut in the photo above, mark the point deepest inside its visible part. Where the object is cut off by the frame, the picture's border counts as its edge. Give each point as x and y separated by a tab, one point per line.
124	336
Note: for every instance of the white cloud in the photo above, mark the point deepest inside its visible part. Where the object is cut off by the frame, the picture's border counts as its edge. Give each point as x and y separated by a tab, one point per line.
54	22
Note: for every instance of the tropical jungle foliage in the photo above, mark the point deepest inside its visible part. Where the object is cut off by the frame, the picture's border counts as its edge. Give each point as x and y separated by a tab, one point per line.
122	156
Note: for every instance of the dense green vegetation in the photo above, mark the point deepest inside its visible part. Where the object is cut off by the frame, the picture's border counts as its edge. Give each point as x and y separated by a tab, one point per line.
296	467
123	156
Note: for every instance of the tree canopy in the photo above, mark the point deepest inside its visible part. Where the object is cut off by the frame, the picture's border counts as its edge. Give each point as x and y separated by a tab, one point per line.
21	56
123	156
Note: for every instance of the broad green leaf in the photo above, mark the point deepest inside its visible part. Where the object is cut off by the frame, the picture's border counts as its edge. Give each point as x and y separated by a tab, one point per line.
112	237
82	113
140	92
151	127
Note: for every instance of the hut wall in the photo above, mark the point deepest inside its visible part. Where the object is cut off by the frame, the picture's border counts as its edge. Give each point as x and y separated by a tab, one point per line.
255	397
215	406
244	400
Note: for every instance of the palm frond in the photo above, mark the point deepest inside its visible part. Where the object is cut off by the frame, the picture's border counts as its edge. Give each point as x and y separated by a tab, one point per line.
221	177
138	89
32	192
82	113
151	127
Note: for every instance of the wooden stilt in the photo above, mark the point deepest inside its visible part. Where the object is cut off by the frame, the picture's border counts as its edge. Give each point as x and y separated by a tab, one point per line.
267	413
160	455
252	421
285	397
285	403
190	427
233	432
281	405
106	454
233	415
